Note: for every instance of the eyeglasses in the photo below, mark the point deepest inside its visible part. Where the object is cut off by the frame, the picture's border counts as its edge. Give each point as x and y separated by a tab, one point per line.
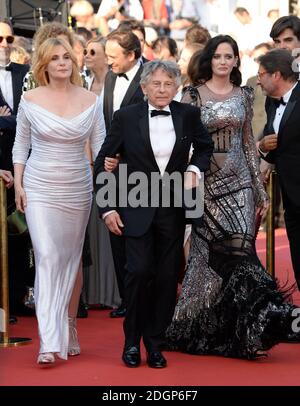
92	52
261	74
9	38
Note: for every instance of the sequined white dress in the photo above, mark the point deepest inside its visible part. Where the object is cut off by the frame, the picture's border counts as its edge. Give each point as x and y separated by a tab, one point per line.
58	184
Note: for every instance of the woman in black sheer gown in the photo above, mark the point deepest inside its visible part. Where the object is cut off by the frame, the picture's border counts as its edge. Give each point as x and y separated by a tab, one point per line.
229	305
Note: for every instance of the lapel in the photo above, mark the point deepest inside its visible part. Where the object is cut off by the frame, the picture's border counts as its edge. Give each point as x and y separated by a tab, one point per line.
134	85
271	116
109	85
17	84
145	134
2	100
178	127
289	107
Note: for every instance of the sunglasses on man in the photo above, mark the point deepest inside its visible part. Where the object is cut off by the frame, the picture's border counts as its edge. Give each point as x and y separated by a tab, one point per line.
9	38
92	52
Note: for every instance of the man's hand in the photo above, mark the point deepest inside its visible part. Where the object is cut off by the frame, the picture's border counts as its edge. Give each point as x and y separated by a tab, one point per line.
191	180
5	111
262	210
113	223
266	169
268	143
7	177
110	164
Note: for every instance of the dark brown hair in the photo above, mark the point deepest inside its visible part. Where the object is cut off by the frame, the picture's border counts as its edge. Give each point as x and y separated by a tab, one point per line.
128	41
279	60
197	34
292	22
166	42
132	24
200	70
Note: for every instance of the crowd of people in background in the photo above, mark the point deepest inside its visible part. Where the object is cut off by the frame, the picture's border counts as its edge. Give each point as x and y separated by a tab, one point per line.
110	62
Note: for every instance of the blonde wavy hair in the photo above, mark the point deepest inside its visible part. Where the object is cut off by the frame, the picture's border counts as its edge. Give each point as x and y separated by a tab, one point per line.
43	57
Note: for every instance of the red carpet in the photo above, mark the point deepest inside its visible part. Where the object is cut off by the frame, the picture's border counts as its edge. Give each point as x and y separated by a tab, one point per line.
101	340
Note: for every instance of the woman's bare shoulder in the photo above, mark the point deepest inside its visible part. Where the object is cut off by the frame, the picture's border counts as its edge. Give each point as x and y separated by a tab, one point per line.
34	94
86	96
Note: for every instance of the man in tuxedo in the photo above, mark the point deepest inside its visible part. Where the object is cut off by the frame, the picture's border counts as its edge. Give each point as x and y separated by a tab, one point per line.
154	138
11	81
121	88
277	76
285	34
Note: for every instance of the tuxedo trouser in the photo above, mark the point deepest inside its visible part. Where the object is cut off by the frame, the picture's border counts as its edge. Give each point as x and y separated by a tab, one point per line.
119	258
292	222
153	265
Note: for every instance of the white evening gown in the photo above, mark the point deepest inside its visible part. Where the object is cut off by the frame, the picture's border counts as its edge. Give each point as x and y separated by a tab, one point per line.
58	184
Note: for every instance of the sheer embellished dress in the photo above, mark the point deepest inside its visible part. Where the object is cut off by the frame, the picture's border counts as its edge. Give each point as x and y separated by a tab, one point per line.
229	305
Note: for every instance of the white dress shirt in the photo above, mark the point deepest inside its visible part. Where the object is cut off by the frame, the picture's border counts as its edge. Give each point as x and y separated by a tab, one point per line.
162	137
6	87
122	85
281	108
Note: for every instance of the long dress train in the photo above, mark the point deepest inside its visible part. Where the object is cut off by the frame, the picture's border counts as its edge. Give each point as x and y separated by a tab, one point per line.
58	184
229	305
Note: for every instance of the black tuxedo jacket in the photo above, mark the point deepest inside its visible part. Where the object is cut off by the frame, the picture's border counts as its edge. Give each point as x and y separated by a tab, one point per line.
8	124
133	95
286	156
129	135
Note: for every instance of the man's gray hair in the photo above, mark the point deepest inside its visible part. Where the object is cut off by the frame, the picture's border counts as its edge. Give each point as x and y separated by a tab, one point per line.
171	69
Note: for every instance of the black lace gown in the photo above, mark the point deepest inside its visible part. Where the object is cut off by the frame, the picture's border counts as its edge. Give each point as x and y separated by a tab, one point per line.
229	305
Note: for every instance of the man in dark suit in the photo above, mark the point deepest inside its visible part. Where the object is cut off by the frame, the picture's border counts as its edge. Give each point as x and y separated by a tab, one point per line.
121	88
11	81
154	138
277	76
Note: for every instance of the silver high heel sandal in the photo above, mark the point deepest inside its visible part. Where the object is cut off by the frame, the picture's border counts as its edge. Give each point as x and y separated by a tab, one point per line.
46	358
74	348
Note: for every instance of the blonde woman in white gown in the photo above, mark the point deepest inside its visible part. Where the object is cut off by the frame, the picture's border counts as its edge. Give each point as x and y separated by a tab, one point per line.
54	185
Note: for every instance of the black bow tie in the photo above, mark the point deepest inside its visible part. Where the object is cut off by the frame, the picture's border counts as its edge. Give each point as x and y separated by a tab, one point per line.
155	113
123	75
278	102
8	67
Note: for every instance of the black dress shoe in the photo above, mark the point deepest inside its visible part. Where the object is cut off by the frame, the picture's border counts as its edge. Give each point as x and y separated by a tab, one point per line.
82	312
12	319
155	359
119	312
291	338
131	356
